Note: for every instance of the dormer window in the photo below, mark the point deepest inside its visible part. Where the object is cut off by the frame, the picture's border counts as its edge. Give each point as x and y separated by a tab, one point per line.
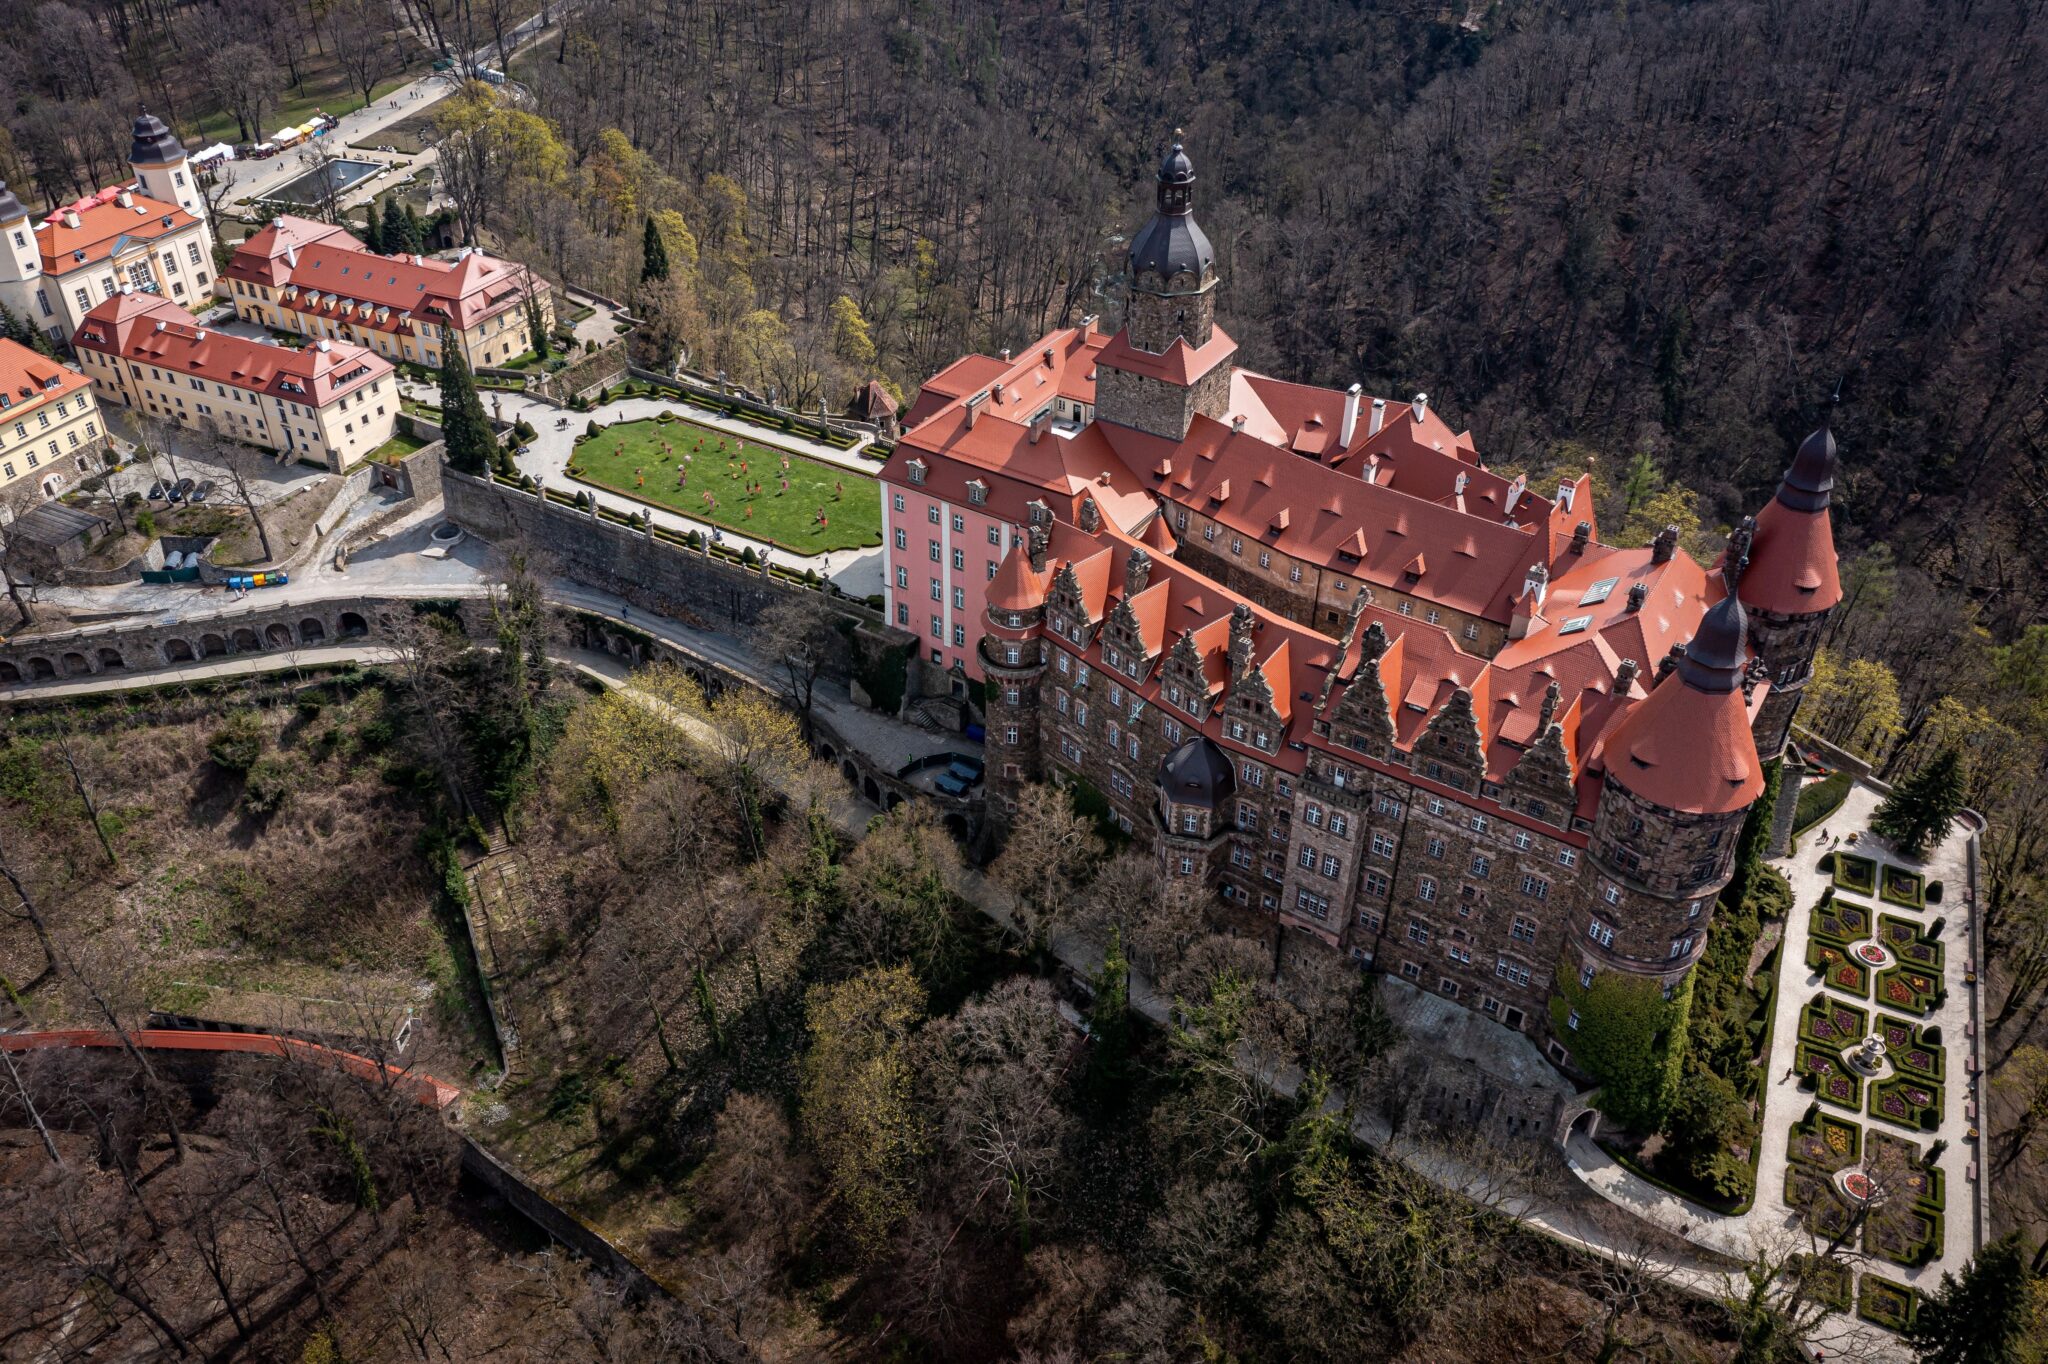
977	492
917	469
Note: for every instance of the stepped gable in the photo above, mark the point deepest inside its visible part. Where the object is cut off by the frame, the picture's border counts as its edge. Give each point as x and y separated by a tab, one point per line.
1792	568
1687	746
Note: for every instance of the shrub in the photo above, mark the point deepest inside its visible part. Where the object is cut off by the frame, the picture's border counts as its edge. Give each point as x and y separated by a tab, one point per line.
269	784
523	430
310	703
590	429
747	556
145	524
1826	864
238	743
1934	892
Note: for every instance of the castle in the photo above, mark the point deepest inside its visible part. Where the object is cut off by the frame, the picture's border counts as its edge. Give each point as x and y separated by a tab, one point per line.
1326	663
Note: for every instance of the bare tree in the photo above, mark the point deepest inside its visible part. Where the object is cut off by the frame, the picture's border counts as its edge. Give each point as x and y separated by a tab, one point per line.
800	635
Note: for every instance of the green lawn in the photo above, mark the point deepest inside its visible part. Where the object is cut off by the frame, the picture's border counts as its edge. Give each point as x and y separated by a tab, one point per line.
849	501
398	447
326	91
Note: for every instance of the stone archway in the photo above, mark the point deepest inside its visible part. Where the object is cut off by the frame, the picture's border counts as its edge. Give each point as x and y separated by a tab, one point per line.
76	665
871	791
178	651
40	668
246	641
278	635
111	658
9	672
849	771
352	625
212	646
310	629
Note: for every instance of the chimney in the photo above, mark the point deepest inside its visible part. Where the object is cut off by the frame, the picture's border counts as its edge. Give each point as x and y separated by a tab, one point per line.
70	217
1421	406
1137	572
1624	677
1038	426
1664	546
125	199
1582	535
322	347
1565	491
1379	417
1240	640
1344	432
1637	595
1536	585
1669	663
1005	353
1048	357
974	408
1551	696
1237	423
291	256
1087	327
996	393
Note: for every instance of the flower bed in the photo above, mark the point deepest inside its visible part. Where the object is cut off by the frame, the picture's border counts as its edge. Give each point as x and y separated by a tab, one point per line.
1831	1023
1908	988
1814	1196
1829	1144
1904	1236
1902	887
1908	1101
1910	1051
1828	1282
1922	1182
1834	1083
1839	922
1909	943
1837	969
1857	875
1885	1303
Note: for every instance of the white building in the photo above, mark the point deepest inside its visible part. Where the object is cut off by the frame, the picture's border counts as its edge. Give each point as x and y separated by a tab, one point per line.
150	236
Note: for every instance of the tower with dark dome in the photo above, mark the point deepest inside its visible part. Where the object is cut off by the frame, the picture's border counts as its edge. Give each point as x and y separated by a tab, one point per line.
158	159
1791	584
1171	361
1196	782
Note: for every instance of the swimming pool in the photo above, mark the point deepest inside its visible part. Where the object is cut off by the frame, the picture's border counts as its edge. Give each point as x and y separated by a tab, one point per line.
339	175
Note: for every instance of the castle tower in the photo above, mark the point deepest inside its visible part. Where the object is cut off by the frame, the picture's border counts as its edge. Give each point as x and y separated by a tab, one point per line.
159	161
1196	782
1681	770
22	260
1012	655
1791	584
1171	361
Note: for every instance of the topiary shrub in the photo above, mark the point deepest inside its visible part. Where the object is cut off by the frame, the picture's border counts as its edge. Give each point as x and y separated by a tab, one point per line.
590	430
1934	892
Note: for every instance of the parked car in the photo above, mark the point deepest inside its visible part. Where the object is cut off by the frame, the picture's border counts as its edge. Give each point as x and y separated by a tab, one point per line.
203	491
183	490
159	491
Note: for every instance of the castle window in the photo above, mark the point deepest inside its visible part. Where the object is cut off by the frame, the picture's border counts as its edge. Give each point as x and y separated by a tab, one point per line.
1586	976
1482	866
1237	730
1061	664
959	599
1693	910
1062	702
1433	616
1265	559
995	536
1522	840
1611	894
1568	857
1411	971
1572	1020
959	559
1315	906
1116	733
1509	969
1407	608
1209	533
1339	823
959	636
897	501
1133	749
1313	815
931	514
933	550
1488	1004
1247	816
1010	736
1524	930
1190	822
1170	731
1460	955
1080	712
959	523
1472	630
1535	887
1601	933
938	628
1681	946
1418	931
1368	920
1294	574
1240	857
938	592
1332	868
1425	890
1480	824
1376	885
1435	848
1382	846
1236	545
1435	806
902	614
1308	856
1180	518
1187	866
1388	806
1254	775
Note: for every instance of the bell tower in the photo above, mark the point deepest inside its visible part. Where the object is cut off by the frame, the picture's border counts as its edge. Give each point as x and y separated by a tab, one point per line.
159	162
1171	362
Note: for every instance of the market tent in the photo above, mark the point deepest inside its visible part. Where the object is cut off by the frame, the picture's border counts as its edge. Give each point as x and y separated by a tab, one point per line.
219	151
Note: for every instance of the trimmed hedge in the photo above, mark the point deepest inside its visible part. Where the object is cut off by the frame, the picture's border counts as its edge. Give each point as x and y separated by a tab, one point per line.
1834	1083
1886	1303
1818	801
1857	875
1839	970
1908	1101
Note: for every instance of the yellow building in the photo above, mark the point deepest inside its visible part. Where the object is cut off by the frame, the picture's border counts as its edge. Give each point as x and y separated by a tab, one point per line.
51	433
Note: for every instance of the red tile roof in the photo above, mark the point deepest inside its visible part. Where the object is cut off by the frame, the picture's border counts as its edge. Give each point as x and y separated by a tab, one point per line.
1179	364
150	330
332	270
1792	567
1686	749
104	224
28	380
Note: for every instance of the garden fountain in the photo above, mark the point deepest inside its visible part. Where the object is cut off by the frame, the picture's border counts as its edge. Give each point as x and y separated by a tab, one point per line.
1867	1058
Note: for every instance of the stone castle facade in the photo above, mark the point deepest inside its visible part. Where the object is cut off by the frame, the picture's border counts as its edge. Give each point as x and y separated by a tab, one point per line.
1329	666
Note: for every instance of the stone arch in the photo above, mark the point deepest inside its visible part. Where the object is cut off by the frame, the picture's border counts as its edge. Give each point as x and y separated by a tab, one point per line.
9	672
40	668
871	791
76	664
352	625
956	825
311	629
246	641
890	800
212	645
849	771
178	651
278	635
827	752
111	658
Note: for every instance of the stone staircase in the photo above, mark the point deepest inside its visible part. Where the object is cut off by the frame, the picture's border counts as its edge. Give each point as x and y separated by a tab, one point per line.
937	714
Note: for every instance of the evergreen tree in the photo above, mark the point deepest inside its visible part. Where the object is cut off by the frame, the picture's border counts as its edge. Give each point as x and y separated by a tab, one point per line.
471	447
536	325
1109	1027
392	233
653	254
372	231
1918	813
1985	1317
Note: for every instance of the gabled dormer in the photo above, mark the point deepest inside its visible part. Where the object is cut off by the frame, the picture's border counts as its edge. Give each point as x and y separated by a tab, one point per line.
1184	681
1451	748
1362	718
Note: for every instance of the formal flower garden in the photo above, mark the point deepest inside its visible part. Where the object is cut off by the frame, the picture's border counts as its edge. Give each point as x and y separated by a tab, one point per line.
1886	1303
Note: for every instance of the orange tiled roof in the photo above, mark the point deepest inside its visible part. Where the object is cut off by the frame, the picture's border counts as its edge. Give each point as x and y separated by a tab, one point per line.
146	329
105	226
333	271
28	380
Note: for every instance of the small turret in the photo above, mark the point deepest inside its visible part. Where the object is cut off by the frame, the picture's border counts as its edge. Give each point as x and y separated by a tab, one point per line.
1792	583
